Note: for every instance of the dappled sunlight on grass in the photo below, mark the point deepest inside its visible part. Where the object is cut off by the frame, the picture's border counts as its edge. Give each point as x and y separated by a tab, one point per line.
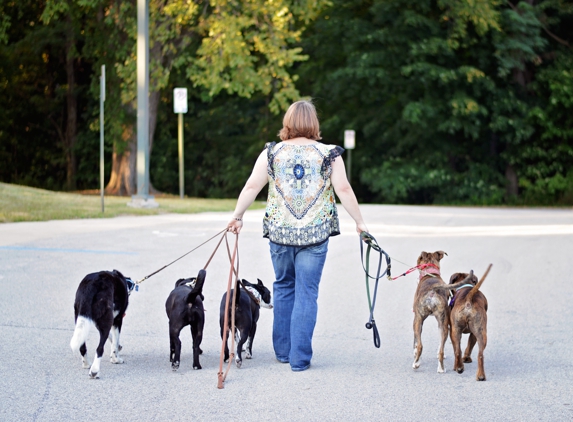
22	203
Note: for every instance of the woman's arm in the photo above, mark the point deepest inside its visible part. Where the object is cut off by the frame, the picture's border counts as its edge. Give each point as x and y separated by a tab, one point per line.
255	183
346	194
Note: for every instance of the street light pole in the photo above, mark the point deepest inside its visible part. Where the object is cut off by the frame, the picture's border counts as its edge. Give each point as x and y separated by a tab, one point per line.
142	198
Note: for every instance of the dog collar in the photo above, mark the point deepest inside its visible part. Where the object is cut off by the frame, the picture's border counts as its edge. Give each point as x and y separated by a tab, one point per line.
258	298
131	285
428	269
465	285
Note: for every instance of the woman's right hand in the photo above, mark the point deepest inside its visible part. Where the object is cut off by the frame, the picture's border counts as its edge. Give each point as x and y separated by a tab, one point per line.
234	226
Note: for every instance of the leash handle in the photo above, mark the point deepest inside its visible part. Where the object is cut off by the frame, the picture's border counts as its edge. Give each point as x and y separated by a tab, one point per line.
373	244
372	325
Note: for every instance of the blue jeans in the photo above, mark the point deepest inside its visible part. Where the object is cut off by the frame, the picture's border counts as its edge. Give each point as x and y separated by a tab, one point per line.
295	292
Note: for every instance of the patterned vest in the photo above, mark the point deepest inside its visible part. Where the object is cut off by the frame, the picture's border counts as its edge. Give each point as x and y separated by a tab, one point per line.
301	209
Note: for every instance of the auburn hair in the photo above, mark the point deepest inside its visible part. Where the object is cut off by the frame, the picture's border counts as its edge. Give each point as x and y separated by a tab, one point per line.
300	120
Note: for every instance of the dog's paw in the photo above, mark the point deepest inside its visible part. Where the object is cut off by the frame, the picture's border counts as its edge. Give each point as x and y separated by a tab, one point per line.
198	366
416	365
115	359
86	364
460	369
239	363
441	369
175	366
94	375
468	359
480	377
248	354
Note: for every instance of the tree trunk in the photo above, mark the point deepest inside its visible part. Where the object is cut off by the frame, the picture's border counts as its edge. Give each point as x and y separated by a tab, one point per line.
154	98
123	168
512	182
72	110
123	179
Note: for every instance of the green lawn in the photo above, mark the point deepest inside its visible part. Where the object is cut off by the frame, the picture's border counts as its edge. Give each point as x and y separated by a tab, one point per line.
22	203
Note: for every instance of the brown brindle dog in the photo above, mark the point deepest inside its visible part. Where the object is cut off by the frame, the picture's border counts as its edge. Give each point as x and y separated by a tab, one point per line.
428	301
468	316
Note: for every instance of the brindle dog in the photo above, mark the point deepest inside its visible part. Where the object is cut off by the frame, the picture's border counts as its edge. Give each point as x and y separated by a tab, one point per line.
428	301
468	316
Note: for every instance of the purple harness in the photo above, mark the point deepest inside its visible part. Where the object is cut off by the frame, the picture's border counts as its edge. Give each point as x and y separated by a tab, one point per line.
453	299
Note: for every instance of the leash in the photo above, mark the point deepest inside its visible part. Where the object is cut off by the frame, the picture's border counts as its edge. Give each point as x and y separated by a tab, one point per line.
373	244
235	255
420	267
184	255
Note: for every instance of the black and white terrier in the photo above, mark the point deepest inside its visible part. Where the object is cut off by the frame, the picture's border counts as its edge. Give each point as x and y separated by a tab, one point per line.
101	301
248	302
184	306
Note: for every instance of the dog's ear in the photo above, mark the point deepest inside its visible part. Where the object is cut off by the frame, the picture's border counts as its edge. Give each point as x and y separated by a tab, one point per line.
260	283
440	254
422	257
457	277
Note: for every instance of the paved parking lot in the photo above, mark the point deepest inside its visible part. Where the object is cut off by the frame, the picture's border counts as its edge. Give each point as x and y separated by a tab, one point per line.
530	336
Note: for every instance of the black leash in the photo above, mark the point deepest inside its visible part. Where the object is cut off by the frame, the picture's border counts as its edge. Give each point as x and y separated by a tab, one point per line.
373	244
182	256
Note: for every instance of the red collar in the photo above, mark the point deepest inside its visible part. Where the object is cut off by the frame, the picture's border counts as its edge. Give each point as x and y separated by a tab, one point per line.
428	269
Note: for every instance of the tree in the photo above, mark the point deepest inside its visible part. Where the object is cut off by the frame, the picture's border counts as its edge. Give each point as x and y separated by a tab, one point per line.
36	143
440	92
67	15
232	46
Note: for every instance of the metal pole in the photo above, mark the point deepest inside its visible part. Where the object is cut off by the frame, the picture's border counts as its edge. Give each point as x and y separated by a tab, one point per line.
349	167
142	99
180	143
101	133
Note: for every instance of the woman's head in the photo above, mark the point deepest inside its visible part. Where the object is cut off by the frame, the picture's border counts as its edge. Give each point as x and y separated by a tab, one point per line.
300	121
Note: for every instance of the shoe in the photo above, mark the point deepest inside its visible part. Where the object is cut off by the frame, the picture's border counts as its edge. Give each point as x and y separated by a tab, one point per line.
304	368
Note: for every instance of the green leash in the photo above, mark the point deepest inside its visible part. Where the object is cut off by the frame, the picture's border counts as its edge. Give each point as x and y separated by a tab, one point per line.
373	244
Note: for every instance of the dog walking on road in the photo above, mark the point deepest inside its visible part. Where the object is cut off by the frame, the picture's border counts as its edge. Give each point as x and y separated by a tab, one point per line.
468	316
428	301
101	300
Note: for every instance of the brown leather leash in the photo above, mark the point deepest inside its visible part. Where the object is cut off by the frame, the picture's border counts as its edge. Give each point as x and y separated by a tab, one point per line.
235	255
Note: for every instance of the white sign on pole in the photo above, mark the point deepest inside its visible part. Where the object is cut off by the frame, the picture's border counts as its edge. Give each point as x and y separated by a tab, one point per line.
349	142
180	100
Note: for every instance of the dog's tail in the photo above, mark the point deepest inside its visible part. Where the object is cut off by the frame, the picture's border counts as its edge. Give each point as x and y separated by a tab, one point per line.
83	325
447	287
474	290
198	289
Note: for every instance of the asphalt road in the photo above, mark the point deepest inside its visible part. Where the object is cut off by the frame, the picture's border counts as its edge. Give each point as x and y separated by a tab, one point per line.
528	360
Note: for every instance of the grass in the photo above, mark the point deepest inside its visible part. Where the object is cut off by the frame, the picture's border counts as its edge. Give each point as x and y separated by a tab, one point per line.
22	203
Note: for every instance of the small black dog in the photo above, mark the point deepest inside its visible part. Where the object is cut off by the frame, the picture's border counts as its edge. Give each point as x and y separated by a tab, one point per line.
101	300
249	301
184	306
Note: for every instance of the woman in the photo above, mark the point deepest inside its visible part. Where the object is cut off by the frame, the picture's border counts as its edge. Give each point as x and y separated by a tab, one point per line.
300	217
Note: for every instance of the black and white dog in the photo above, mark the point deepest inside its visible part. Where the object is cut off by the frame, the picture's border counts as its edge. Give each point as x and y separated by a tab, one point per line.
184	306
248	302
101	300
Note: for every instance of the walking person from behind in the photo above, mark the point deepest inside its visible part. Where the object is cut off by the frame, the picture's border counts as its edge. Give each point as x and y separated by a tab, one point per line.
301	215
